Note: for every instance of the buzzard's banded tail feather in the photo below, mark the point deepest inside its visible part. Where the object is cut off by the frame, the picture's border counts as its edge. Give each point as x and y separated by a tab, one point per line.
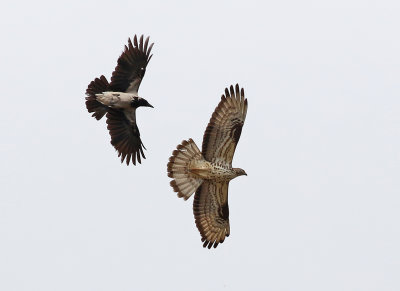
97	86
184	183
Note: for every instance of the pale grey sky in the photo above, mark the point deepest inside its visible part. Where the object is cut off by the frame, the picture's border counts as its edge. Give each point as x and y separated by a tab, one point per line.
319	209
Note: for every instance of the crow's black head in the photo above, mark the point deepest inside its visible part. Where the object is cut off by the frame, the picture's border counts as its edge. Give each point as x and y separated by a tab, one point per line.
138	101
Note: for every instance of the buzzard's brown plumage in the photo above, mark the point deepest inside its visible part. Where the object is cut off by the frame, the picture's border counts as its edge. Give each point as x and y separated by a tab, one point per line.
211	212
225	127
211	170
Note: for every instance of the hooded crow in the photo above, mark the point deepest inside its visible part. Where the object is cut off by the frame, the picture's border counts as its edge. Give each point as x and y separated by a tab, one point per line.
119	99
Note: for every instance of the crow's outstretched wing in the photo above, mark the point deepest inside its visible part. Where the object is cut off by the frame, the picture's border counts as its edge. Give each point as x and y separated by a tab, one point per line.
125	136
131	67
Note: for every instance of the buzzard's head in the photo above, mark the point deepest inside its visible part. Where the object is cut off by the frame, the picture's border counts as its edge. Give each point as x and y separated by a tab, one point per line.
239	172
139	101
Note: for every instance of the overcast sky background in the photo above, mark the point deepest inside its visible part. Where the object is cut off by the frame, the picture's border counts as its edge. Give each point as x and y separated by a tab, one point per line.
319	209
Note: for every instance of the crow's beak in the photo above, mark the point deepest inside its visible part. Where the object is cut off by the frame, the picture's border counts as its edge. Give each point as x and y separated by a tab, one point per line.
149	105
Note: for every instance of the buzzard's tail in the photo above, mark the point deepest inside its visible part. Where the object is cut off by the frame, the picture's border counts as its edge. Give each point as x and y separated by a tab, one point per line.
99	85
184	183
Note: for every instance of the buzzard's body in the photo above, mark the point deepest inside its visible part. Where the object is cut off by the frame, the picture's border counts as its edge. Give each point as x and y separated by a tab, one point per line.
211	171
208	172
119	99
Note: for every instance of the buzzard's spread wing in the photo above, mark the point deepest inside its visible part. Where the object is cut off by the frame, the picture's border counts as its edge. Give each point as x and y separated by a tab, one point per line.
225	126
211	212
131	66
125	136
99	85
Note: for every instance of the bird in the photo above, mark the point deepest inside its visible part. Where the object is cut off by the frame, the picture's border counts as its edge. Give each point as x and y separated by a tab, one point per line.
119	99
209	172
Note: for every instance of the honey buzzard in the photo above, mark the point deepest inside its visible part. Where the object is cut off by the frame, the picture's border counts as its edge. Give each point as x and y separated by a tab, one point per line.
208	172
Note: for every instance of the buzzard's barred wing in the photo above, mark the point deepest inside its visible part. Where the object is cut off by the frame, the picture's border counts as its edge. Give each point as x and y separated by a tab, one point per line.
211	212
225	126
125	136
131	66
99	85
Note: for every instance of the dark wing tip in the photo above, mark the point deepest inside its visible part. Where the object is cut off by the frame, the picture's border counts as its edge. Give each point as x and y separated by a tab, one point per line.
232	91
209	244
226	92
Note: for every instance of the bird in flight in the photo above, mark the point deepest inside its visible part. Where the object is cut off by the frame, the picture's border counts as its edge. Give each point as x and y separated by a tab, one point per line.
208	172
119	99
